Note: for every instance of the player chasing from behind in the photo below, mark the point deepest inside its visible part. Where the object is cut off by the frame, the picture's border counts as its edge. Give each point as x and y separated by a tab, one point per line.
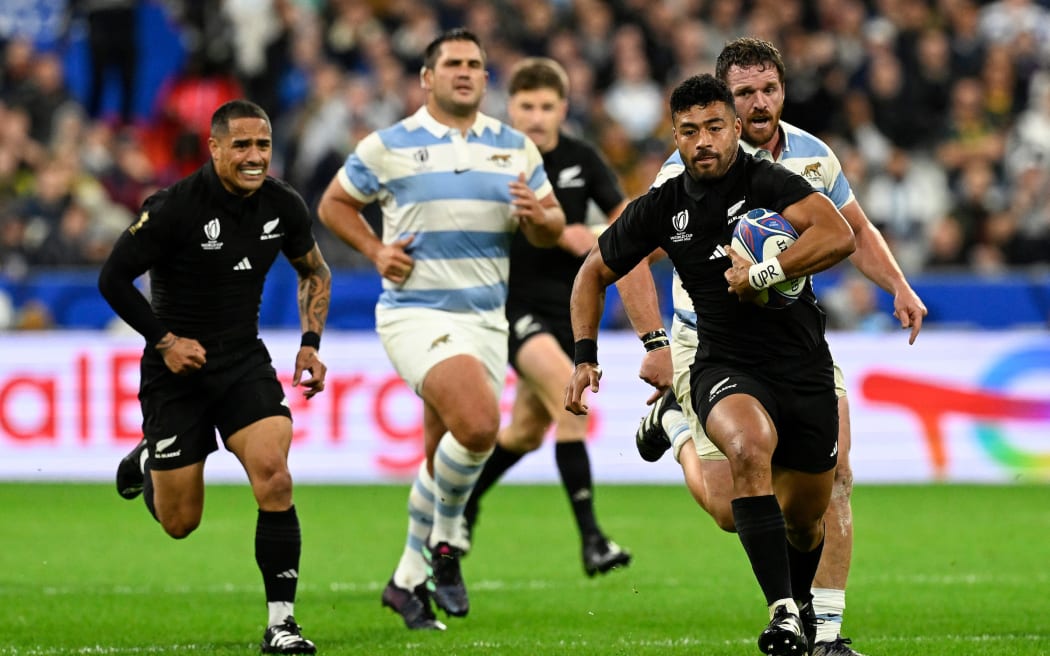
540	344
763	384
754	71
208	242
453	186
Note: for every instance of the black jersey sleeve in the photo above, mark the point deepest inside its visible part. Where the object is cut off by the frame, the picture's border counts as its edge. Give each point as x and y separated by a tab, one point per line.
603	185
630	238
136	250
299	238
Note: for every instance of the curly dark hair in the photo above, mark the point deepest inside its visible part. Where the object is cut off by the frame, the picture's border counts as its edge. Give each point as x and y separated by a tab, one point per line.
701	90
746	52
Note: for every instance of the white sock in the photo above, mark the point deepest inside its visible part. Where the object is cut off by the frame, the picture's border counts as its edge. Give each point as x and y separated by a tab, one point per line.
279	611
456	469
412	568
829	605
790	603
676	427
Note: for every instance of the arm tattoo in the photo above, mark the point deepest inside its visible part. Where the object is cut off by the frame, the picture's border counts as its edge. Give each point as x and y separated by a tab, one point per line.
315	290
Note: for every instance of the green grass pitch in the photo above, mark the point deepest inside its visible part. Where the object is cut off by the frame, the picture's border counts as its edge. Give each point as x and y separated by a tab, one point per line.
938	570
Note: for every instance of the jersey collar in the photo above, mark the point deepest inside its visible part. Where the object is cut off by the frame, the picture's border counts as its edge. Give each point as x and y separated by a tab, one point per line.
482	122
762	153
230	202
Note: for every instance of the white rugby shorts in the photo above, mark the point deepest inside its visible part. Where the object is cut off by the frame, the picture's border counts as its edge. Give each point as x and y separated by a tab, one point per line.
416	339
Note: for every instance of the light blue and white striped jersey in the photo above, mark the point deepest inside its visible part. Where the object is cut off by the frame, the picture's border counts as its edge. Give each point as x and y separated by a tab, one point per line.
802	153
452	193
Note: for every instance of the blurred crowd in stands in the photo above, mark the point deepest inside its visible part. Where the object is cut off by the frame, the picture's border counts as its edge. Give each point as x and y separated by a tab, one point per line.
939	110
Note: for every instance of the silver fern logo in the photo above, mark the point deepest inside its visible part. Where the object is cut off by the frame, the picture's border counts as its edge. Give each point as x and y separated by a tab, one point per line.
211	231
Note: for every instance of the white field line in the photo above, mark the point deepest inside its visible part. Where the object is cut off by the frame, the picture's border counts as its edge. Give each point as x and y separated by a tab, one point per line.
568	645
959	579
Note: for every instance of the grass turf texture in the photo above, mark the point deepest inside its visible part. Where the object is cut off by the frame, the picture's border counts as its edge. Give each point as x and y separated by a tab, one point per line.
937	570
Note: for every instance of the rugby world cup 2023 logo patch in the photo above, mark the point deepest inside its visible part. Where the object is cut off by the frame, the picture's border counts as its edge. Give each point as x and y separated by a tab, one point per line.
680	222
211	231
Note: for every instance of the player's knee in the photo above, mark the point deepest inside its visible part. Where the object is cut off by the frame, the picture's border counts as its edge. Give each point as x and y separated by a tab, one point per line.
478	434
180	525
804	536
723	517
275	487
523	439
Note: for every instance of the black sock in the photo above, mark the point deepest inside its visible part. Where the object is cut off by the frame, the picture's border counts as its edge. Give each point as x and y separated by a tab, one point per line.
498	463
278	544
760	526
147	489
803	569
575	469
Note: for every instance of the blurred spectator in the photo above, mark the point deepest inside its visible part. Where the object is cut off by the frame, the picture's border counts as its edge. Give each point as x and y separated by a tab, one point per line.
318	131
17	68
969	133
42	208
130	179
853	305
1004	21
70	243
1029	140
903	201
112	30
14	260
348	23
892	106
948	247
44	97
967	44
261	47
977	198
860	128
932	80
1024	235
634	100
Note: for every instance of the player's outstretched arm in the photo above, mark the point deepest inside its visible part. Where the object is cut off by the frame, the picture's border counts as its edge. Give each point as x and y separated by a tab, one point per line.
315	293
585	306
874	259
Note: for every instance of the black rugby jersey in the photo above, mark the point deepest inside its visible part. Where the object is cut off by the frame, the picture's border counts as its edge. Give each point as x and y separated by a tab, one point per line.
541	278
208	252
693	221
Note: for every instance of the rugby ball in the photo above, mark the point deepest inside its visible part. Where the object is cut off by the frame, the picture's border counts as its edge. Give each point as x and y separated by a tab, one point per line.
759	235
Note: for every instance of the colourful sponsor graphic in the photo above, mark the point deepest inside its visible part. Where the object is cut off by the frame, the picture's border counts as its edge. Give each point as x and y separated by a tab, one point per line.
991	400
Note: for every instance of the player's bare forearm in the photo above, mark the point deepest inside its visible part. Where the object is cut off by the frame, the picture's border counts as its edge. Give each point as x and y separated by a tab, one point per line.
315	290
588	296
341	214
638	292
825	237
